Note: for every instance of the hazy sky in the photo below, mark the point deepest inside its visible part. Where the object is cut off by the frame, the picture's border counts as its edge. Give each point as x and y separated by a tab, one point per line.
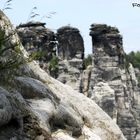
81	14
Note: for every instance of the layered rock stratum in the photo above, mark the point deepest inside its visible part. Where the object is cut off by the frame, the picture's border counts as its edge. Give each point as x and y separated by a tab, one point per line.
71	54
113	84
39	41
34	106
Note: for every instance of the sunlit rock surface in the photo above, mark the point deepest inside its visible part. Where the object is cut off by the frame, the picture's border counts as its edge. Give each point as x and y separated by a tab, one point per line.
34	106
71	54
113	85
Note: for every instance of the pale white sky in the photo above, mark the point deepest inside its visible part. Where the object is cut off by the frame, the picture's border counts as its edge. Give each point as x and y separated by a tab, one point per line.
81	14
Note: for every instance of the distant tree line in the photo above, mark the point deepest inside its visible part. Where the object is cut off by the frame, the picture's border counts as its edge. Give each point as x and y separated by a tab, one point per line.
134	59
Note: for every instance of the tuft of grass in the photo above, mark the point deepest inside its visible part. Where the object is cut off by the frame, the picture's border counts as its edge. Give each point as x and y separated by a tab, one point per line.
49	15
32	14
53	66
7	5
138	80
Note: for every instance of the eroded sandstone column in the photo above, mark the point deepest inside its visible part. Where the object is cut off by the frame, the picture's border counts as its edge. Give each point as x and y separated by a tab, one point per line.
111	84
70	53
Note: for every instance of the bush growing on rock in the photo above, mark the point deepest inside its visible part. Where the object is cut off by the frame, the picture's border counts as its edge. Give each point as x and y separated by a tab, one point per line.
53	66
87	61
134	58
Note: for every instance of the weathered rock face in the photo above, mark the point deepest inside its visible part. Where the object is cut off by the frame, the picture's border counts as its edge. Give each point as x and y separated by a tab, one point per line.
70	53
85	80
112	85
39	41
71	43
69	73
34	106
137	72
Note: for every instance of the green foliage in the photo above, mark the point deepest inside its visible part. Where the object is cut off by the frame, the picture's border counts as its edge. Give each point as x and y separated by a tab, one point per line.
37	54
134	59
53	66
138	80
87	61
6	62
1	39
17	48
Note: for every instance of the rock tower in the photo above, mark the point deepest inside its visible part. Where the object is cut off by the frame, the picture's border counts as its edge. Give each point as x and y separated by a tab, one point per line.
112	84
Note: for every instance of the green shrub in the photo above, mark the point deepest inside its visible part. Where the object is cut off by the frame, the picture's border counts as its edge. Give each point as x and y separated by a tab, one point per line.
53	66
37	54
87	61
138	81
134	59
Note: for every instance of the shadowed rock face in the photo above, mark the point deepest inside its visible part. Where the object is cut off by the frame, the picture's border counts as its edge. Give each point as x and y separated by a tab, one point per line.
38	40
70	53
71	43
41	43
113	86
108	39
47	109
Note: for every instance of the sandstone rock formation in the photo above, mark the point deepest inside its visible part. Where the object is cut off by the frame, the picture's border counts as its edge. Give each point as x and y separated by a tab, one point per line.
137	73
112	85
39	41
70	53
85	80
71	44
108	81
34	106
